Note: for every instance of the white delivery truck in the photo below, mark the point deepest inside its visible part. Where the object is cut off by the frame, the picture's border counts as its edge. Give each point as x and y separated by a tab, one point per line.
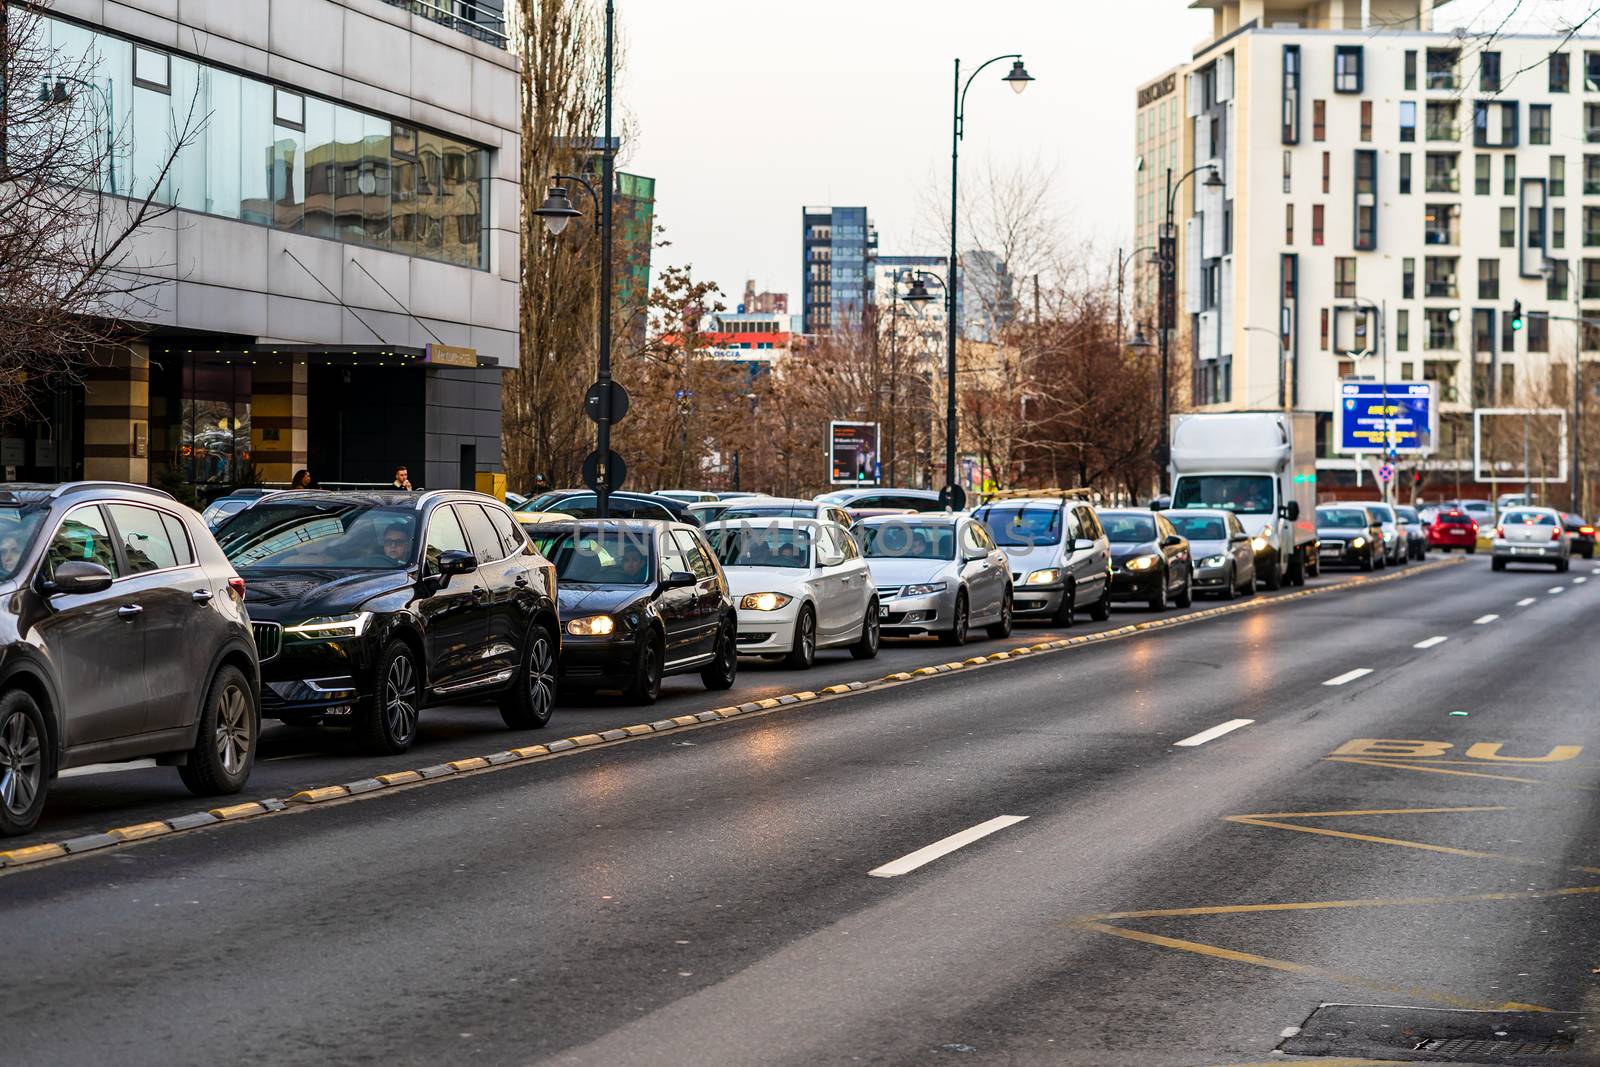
1261	465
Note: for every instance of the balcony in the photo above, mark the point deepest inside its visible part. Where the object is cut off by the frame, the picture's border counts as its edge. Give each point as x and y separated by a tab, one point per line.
484	20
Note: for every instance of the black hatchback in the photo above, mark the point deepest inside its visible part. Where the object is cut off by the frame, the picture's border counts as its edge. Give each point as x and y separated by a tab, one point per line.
640	599
367	606
123	635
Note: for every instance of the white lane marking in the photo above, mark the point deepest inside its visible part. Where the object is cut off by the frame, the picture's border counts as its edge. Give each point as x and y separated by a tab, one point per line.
1212	734
1579	581
1430	642
1349	676
106	768
1554	589
945	846
1484	620
1525	601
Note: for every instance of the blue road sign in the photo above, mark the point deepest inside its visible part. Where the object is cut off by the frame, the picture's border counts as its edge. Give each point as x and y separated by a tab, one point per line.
1393	419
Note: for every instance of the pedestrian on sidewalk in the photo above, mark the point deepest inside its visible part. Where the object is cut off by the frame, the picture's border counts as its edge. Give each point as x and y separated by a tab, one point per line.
302	479
402	479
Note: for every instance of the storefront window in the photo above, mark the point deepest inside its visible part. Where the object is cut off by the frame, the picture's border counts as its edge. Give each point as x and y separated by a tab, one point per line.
213	426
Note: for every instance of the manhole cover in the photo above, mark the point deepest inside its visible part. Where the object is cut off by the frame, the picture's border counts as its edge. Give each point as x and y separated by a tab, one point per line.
1437	1035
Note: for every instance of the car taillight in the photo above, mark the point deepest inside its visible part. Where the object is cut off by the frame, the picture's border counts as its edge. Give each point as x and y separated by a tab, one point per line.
1555	535
1500	532
1587	531
236	588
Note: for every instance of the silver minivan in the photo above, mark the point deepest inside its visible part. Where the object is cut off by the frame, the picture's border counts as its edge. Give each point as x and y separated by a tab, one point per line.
1060	556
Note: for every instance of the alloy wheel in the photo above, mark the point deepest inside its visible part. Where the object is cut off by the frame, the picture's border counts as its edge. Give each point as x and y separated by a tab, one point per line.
234	727
872	626
21	766
540	676
807	635
400	699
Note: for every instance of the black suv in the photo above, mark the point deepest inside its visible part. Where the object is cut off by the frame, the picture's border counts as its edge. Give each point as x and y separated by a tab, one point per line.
367	606
123	636
641	599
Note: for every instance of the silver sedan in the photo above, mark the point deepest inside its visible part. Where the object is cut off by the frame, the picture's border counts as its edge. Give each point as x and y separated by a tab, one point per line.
937	573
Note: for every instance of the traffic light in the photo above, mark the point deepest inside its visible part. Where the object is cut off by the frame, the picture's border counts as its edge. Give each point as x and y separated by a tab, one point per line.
1516	315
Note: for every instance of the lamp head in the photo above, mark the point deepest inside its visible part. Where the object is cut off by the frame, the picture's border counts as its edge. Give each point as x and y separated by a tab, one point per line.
919	294
1140	342
557	210
1213	179
1018	78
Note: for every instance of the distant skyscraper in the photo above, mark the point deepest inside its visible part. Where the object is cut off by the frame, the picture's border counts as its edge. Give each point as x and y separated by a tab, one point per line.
838	246
766	303
986	296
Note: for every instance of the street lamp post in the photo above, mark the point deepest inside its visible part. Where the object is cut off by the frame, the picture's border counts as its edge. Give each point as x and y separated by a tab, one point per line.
1167	253
1548	270
556	211
1122	268
1018	79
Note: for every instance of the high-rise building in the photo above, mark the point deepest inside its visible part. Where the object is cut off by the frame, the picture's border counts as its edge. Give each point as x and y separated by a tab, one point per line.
986	296
1388	192
1159	147
837	247
765	302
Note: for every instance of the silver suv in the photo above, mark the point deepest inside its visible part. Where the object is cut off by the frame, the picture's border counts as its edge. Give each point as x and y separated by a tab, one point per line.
1060	556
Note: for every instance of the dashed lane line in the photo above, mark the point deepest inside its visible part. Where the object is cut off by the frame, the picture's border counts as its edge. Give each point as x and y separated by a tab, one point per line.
1579	580
1484	620
1429	642
1349	676
1554	589
1212	734
1525	601
943	847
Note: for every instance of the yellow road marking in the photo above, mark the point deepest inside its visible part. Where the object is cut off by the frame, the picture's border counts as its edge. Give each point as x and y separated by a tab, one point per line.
1326	905
140	830
1235	956
1440	770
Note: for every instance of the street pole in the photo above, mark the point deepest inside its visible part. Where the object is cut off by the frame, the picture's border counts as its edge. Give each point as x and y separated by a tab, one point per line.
603	377
1577	399
1168	244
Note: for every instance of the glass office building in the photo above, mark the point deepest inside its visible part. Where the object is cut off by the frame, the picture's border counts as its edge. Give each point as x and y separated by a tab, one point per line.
838	246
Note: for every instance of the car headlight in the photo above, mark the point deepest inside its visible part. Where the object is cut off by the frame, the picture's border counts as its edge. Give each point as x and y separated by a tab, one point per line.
764	601
592	626
1047	576
1214	561
1259	543
1143	563
1360	542
330	627
925	589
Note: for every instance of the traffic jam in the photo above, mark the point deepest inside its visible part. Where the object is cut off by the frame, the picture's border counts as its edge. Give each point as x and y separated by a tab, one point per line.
138	629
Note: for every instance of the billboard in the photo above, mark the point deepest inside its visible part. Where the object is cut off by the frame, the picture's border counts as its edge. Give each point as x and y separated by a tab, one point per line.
1398	418
853	453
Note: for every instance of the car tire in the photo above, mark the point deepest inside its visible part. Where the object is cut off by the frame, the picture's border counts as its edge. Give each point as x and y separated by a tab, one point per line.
724	669
1001	629
1250	586
804	652
1230	588
24	763
1562	566
1161	601
866	646
531	700
225	743
957	634
1185	597
647	669
388	723
1068	608
1472	550
1274	578
1100	611
1497	564
1368	563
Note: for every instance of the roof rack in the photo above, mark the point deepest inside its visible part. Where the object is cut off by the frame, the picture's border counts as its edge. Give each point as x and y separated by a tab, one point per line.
1054	493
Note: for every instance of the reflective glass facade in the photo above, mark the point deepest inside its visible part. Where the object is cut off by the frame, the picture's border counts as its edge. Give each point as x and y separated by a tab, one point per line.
266	154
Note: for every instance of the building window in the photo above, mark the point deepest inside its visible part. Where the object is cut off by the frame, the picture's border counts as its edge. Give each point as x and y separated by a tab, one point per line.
1441	329
1405	172
1482	330
1316	224
1489	72
1442	68
1510	169
1480	175
1558	227
1441	224
1319	120
1555	282
1288	224
1538	123
1591	175
1347	68
1591	279
1440	172
1558	176
1439	278
1411	70
1402	331
1560	71
1441	120
1538	331
1366	200
1327	170
1494	124
1508	336
1288	169
1408	278
1291	94
152	69
1366	120
1488	279
1344	277
1591	227
1591	123
289	109
1322	341
1408	120
1508	227
1591	72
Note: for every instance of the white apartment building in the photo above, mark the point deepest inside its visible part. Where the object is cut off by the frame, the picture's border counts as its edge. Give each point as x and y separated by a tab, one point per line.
1391	189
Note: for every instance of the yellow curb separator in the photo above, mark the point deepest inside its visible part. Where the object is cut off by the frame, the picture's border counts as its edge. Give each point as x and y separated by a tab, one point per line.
237	811
316	796
832	689
400	777
586	739
638	729
139	831
32	854
476	763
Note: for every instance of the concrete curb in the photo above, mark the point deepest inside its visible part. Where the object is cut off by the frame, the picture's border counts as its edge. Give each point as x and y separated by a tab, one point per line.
123	835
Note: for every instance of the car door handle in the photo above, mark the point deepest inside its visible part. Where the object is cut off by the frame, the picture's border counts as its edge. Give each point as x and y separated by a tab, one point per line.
521	582
201	596
129	611
479	592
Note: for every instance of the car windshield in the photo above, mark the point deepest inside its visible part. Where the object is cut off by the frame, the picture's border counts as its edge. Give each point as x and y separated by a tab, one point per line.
1528	518
542	502
1381	512
1342	518
321	535
910	540
1247	493
1025	526
1200	527
1408	514
608	557
1128	529
771	511
17	529
753	546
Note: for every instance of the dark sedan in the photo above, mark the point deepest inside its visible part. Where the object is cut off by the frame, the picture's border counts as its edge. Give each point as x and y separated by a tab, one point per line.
640	600
583	504
367	606
1580	533
1351	535
1150	560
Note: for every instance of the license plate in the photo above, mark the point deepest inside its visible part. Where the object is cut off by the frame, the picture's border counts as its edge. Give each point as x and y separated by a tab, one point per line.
1525	550
883	613
1332	551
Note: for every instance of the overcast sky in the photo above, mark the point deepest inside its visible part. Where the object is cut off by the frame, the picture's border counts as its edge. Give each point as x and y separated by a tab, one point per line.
745	110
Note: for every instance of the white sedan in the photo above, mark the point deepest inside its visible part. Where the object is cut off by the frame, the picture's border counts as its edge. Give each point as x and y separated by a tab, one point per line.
800	585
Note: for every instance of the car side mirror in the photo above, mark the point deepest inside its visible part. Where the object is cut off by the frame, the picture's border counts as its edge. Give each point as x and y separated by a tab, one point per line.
1236	538
456	562
77	576
1291	510
1171	541
1083	544
678	580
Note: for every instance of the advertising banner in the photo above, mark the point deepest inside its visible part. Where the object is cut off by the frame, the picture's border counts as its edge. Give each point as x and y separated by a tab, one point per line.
1394	418
853	452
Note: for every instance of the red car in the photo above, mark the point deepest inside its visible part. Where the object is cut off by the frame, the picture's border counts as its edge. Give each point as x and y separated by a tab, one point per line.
1453	529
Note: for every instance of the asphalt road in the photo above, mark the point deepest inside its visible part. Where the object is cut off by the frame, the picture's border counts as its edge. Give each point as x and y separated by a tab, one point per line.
292	759
705	897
